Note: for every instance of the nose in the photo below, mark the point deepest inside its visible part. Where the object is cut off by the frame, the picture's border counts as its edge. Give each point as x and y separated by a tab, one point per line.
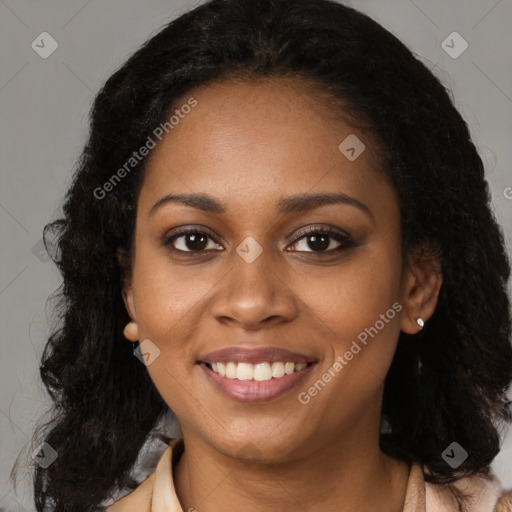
254	295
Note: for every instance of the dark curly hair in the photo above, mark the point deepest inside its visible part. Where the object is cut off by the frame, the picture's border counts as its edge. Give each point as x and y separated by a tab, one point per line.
447	383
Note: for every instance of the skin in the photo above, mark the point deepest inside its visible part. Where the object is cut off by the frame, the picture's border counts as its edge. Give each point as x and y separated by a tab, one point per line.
247	146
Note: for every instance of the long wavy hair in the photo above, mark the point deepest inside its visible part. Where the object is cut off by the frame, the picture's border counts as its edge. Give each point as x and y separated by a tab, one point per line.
447	383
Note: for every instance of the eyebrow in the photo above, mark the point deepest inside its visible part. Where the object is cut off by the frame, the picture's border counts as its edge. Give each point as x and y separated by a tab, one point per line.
285	206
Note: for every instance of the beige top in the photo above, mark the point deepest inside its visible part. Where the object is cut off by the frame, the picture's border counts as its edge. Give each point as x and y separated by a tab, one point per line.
157	492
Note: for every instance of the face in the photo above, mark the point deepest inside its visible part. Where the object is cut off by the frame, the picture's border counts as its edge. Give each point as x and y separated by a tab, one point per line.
268	264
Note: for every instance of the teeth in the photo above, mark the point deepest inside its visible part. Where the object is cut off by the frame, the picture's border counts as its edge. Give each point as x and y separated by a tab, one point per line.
231	370
258	372
244	371
277	369
262	371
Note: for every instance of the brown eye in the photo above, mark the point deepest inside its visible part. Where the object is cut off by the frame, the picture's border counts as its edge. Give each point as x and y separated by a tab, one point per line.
320	241
192	240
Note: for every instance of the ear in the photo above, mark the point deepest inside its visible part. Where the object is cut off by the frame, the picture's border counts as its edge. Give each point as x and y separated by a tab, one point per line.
126	283
420	287
131	331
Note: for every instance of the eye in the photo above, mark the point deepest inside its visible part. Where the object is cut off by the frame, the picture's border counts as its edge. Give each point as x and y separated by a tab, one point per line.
322	240
192	240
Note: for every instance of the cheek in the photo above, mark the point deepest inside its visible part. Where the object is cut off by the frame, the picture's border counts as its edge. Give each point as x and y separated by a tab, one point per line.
355	294
169	310
358	319
358	316
166	293
169	304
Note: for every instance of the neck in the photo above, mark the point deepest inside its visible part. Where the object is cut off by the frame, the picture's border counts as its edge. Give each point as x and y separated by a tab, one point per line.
347	474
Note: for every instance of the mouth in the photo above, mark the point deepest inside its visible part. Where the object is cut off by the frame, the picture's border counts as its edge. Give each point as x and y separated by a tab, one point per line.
255	375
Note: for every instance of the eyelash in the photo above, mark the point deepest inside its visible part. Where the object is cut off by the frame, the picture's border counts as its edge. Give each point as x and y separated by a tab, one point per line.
344	240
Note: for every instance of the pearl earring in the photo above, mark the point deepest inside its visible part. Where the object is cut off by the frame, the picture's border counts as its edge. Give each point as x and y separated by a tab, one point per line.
131	331
420	322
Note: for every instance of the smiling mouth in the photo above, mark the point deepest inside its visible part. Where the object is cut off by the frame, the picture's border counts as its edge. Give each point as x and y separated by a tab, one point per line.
255	374
258	372
256	383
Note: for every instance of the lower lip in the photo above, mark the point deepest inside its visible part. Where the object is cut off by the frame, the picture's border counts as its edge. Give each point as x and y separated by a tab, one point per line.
250	391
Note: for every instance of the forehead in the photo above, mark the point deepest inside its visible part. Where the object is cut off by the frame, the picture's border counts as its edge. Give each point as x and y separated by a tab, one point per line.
252	142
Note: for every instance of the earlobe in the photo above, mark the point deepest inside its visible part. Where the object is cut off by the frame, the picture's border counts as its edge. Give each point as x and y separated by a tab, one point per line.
131	331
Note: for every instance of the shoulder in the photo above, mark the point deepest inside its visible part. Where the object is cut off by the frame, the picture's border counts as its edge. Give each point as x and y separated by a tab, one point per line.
157	487
482	494
504	503
139	500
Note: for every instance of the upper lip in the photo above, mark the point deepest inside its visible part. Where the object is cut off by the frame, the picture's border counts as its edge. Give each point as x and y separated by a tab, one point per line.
255	355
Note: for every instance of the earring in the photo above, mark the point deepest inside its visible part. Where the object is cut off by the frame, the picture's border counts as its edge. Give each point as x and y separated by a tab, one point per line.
420	322
131	331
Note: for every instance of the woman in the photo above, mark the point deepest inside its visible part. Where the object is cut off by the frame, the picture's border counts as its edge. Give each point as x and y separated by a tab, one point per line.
283	212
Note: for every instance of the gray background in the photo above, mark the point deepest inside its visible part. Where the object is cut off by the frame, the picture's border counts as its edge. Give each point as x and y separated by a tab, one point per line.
44	105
